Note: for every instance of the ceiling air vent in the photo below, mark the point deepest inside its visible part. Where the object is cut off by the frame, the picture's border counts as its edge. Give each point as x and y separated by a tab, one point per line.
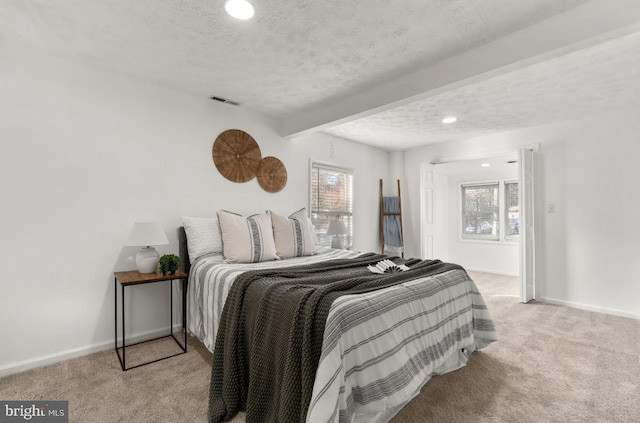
224	100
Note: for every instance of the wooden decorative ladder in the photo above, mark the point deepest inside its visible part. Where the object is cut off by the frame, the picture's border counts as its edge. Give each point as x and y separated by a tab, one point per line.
383	214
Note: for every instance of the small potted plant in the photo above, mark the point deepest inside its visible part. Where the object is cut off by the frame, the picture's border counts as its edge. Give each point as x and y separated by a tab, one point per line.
169	264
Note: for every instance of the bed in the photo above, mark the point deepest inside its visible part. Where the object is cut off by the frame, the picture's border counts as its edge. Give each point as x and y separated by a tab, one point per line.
378	347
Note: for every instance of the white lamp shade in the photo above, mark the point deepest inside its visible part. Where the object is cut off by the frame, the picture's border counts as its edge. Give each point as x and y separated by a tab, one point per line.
145	234
337	227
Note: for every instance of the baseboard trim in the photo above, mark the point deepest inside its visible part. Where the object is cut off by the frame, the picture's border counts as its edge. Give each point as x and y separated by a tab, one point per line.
496	272
604	310
44	360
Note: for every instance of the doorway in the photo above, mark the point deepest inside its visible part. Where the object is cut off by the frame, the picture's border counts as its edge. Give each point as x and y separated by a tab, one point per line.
500	242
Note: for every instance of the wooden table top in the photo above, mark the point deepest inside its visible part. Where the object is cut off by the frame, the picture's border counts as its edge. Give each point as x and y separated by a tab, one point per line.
132	277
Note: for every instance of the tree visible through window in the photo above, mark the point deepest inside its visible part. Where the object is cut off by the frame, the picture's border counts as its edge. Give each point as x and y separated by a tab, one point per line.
480	211
511	209
331	199
490	209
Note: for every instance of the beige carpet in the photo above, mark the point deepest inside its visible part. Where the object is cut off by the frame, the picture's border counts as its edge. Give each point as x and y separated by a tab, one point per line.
551	364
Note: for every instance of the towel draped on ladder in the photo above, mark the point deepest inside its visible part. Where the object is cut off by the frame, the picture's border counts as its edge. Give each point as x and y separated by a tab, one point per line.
391	223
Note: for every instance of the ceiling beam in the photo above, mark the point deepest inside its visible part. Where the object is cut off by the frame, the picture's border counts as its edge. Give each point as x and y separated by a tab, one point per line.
592	23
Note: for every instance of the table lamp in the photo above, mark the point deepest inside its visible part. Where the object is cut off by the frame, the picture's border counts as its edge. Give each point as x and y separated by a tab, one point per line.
336	228
146	234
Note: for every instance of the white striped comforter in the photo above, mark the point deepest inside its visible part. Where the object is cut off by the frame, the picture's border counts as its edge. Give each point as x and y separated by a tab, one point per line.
379	348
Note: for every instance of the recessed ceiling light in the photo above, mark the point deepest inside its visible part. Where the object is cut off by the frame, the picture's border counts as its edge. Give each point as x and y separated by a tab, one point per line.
239	9
449	119
485	164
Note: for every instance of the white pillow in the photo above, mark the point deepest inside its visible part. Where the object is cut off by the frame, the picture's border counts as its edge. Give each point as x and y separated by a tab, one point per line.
293	234
203	236
246	239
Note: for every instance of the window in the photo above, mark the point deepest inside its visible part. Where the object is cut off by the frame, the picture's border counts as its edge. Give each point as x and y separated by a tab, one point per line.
331	199
480	210
511	210
489	210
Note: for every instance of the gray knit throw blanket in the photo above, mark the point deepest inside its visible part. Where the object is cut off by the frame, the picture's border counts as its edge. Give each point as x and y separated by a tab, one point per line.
270	337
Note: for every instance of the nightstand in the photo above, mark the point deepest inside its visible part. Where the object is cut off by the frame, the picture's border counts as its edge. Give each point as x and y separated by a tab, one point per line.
133	278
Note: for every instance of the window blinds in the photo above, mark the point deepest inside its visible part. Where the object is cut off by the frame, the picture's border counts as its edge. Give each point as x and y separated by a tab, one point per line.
331	199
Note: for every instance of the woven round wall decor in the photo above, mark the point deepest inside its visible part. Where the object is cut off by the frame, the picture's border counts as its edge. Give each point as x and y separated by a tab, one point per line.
272	175
236	155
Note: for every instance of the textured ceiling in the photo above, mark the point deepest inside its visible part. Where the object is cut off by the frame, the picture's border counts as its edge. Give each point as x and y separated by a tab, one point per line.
293	55
303	54
584	83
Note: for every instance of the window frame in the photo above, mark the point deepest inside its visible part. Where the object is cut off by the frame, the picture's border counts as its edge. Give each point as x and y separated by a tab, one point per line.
348	239
477	237
507	237
489	239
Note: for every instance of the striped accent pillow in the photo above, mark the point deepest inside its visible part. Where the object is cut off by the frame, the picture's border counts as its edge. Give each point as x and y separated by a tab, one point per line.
293	235
203	236
246	239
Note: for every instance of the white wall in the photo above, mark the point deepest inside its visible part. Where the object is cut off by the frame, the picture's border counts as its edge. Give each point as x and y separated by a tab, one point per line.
588	253
396	172
87	153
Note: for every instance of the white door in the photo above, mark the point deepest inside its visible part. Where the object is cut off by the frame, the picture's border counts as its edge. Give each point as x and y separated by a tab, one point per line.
427	197
528	163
